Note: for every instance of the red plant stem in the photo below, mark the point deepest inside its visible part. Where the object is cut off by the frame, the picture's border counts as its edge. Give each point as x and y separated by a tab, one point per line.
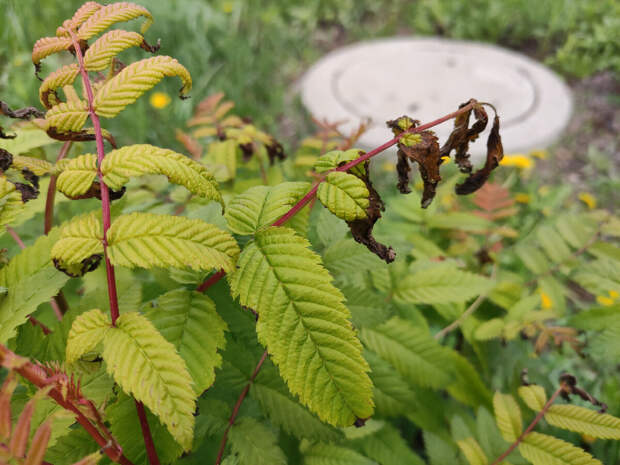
211	281
16	237
105	192
106	217
35	375
51	190
144	424
235	411
529	429
36	322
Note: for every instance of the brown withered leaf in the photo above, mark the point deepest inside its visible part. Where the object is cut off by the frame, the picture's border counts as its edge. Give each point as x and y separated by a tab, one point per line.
6	159
426	154
27	191
79	136
275	151
22	113
361	230
495	153
78	270
462	134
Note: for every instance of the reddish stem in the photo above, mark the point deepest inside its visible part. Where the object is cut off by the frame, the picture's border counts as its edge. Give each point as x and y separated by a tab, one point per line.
235	411
148	438
36	376
16	237
36	322
211	281
106	217
529	429
105	192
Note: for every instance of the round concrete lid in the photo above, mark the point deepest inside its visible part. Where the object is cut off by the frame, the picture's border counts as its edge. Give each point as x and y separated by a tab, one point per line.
427	78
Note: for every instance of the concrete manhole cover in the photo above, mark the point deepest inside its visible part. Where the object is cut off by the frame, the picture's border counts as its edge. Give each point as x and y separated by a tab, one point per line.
427	78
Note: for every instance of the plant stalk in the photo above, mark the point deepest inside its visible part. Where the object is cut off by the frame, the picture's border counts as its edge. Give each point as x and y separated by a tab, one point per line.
51	190
106	218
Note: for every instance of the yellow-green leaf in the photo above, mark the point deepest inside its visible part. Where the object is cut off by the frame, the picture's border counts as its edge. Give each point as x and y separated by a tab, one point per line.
147	240
147	366
304	324
541	449
534	396
345	195
68	116
507	416
472	451
87	331
80	238
76	175
100	54
584	421
102	18
128	85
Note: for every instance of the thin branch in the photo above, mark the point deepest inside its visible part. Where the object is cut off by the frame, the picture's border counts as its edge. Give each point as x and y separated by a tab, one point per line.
471	309
211	281
235	411
529	429
106	217
15	237
36	376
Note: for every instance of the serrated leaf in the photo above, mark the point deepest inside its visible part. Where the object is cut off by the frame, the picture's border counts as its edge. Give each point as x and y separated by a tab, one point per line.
36	165
335	158
304	324
46	46
260	206
392	393
441	284
189	321
129	84
148	240
31	280
534	396
255	444
147	366
507	416
541	449
79	239
26	139
55	80
136	160
472	451
68	116
100	19
345	195
584	421
76	175
412	351
100	53
331	454
490	329
87	331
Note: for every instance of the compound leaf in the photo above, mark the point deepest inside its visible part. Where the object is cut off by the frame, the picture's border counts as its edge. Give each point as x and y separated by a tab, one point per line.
583	420
507	416
96	20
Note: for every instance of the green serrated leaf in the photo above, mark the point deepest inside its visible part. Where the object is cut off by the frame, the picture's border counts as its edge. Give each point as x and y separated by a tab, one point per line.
541	449
345	195
87	331
508	416
254	444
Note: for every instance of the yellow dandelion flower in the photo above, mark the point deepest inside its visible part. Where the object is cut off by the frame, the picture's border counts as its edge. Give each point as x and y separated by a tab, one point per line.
614	295
159	100
446	159
518	160
545	301
604	300
588	199
540	154
522	198
228	7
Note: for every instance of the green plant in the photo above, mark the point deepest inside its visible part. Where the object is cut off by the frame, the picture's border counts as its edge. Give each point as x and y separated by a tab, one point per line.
152	365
